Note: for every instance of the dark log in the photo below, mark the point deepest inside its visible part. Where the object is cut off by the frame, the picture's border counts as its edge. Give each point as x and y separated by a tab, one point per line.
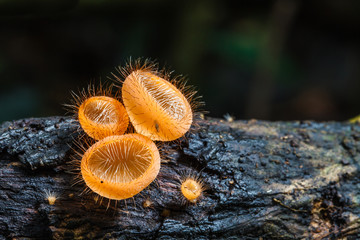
265	180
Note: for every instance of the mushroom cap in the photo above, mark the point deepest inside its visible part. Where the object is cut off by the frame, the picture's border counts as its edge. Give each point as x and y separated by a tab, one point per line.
156	108
119	167
102	116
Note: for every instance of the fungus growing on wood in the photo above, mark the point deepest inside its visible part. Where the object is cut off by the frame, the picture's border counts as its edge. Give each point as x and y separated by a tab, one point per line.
157	108
192	187
100	115
118	167
103	116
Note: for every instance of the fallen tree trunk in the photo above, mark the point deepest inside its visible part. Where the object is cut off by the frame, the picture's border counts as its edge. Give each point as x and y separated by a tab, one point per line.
269	180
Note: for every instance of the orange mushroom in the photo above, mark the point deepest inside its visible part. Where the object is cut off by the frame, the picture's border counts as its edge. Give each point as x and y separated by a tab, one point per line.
102	116
156	108
118	167
99	112
191	189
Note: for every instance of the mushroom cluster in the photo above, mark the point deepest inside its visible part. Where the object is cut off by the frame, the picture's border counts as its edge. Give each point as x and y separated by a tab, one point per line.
123	162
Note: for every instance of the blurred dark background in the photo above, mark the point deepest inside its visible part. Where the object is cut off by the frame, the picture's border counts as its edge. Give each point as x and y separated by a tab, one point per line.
275	60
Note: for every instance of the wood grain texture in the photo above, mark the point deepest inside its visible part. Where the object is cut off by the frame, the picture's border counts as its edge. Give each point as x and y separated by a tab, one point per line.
269	180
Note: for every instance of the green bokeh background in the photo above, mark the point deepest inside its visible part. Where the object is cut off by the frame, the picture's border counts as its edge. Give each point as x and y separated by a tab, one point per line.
275	60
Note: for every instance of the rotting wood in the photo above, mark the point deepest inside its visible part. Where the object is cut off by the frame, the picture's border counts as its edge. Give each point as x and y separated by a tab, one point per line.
269	180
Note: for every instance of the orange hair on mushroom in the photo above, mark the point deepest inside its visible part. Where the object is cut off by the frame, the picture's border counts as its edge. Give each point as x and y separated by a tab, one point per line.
192	187
100	115
119	167
156	107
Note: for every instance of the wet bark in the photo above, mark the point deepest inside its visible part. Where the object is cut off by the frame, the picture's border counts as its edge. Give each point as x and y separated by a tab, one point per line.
269	180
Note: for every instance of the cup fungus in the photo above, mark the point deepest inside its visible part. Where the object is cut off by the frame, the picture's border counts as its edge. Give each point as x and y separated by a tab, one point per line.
102	116
192	188
118	167
156	108
51	197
